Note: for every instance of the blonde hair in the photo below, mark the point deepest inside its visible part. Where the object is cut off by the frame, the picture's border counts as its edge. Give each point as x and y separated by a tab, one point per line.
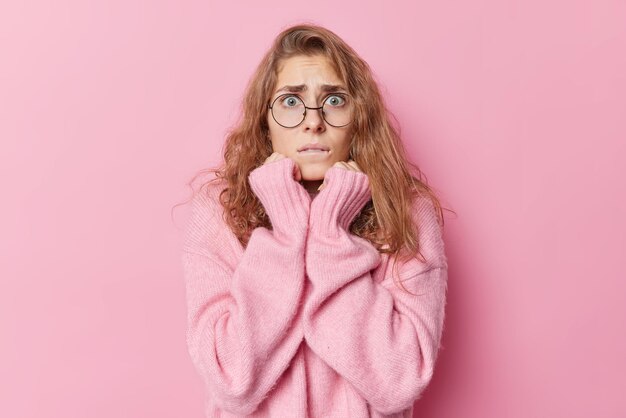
385	220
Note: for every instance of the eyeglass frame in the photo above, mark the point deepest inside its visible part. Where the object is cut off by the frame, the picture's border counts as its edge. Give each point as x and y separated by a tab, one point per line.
270	106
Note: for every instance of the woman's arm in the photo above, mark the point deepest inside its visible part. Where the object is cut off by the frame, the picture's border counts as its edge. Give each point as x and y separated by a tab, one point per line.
381	339
244	325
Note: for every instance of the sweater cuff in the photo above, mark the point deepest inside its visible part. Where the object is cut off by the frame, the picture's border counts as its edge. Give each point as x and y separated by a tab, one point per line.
339	202
285	201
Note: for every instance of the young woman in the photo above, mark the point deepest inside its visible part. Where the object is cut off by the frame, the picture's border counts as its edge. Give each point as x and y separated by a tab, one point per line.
314	262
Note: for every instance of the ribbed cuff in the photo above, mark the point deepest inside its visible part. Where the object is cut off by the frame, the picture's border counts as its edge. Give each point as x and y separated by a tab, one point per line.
286	202
344	194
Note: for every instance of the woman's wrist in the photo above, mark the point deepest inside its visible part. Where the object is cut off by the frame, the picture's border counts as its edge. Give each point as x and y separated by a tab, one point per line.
344	195
285	201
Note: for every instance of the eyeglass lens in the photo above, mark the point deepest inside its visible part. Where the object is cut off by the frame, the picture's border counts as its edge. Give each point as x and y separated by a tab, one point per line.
288	110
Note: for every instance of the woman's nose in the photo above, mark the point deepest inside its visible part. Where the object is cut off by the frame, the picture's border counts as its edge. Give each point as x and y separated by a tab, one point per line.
313	119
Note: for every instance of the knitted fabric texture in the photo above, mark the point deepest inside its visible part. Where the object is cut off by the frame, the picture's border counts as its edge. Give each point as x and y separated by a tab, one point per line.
307	321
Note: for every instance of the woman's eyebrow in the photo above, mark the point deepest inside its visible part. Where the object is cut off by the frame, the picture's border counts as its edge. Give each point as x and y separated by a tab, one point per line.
303	87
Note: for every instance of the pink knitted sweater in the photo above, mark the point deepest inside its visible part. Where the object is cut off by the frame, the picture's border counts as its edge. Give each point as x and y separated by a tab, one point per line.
306	321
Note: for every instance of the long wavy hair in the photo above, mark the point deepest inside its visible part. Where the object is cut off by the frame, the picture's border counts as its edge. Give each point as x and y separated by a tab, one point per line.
385	221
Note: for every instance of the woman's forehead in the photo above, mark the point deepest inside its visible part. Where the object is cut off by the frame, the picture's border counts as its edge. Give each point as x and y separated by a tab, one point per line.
302	71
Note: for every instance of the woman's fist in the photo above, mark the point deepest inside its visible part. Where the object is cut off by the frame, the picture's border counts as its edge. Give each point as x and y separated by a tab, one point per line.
349	165
278	156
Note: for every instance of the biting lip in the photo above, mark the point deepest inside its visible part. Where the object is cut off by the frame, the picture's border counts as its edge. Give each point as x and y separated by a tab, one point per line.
314	147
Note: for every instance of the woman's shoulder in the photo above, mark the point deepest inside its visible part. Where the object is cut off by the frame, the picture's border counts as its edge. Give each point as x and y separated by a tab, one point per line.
206	201
206	222
427	219
425	211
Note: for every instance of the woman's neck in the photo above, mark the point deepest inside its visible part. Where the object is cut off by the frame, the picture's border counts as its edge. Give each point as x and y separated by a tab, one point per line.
311	186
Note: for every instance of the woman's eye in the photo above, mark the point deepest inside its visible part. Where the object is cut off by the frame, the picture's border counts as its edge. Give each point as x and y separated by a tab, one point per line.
291	101
335	100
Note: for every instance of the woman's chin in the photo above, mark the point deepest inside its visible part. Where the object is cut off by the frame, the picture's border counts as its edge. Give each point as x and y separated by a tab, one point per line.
312	175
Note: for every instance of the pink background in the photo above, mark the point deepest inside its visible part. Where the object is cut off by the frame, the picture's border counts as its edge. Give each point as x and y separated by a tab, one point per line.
515	110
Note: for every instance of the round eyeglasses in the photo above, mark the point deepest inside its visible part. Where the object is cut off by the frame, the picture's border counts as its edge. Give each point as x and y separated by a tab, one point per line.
289	111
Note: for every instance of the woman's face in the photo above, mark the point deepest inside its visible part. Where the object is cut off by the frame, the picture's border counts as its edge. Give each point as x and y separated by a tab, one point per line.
311	74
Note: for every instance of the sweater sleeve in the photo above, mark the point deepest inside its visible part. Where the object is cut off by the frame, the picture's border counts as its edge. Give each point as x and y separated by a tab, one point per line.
244	323
381	339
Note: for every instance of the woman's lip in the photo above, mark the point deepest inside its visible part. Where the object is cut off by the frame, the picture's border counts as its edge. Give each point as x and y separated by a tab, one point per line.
314	153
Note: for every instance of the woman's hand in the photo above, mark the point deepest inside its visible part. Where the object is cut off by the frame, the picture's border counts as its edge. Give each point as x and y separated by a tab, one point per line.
278	156
349	165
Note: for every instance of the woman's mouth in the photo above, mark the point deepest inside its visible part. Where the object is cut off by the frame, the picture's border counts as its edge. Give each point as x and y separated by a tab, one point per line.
314	153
